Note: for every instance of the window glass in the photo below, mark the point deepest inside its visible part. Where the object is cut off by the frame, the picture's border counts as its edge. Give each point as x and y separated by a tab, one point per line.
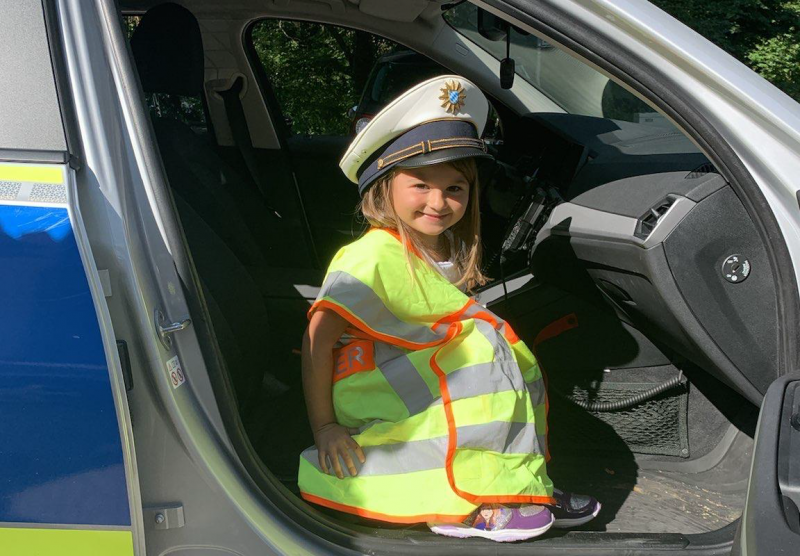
317	71
327	78
570	83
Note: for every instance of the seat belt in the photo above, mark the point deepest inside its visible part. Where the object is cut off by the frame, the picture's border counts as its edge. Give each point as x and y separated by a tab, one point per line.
241	136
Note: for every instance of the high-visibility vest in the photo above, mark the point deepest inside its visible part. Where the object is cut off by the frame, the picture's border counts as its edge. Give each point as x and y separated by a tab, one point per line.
449	403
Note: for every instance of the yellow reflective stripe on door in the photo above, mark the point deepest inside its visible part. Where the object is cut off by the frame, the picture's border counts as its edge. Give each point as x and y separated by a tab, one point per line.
65	542
31	173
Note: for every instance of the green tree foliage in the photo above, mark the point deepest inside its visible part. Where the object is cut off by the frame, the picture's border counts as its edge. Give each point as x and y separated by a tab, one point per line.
764	34
317	71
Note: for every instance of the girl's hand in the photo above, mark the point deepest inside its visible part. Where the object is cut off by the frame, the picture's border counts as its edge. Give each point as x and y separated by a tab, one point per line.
333	440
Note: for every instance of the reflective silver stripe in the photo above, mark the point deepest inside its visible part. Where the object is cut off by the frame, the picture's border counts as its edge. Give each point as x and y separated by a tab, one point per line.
484	378
392	459
501	436
537	392
403	377
475	308
500	375
502	352
364	303
490	378
422	455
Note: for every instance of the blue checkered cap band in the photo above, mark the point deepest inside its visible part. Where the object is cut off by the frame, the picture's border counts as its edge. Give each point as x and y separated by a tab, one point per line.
434	142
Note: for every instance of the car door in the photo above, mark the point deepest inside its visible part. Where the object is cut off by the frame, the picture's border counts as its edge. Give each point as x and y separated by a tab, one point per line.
67	462
770	523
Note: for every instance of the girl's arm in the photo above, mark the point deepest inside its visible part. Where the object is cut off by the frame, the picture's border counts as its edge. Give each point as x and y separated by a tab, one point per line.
332	440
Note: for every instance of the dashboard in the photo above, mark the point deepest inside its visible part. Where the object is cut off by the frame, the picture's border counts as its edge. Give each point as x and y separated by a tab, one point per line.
640	214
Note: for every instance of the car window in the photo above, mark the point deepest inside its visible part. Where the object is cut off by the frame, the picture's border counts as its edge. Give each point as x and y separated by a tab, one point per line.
317	71
328	78
570	83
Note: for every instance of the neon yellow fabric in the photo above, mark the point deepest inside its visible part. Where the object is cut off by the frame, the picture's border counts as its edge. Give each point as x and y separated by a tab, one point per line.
65	542
386	495
356	396
451	412
378	260
32	173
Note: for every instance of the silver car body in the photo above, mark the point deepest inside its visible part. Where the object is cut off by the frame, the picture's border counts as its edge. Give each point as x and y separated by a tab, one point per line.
184	461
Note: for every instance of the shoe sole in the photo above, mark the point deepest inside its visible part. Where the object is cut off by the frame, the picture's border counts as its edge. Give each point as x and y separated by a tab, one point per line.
575	522
504	535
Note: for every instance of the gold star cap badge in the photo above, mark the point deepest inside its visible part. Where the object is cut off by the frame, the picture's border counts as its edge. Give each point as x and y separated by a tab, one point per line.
453	96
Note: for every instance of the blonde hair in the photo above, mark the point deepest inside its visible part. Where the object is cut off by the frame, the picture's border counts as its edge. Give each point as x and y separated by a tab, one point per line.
377	208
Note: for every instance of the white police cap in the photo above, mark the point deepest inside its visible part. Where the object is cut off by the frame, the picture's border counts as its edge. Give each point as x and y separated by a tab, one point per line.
439	120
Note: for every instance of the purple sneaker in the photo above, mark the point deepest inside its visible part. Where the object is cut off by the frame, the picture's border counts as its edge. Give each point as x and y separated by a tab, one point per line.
572	510
499	523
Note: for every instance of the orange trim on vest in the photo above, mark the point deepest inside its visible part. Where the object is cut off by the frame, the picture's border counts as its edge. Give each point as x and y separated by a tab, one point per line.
488	317
452	442
508	332
366	331
383	517
510	335
453	317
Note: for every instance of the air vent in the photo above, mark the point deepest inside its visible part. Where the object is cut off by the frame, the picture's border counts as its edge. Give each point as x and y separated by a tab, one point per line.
648	221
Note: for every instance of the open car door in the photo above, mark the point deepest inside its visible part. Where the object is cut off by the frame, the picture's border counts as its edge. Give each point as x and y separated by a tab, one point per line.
771	523
68	482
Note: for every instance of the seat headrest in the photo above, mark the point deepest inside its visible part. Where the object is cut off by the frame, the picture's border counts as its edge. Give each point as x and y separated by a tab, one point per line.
168	50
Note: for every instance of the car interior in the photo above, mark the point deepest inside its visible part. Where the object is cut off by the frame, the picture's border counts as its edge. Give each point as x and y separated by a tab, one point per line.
618	253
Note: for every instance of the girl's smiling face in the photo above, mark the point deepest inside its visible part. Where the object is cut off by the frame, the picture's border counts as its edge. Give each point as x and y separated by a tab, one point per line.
430	199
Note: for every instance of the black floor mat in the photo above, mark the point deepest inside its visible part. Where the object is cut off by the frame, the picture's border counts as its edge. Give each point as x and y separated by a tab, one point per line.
655	502
648	501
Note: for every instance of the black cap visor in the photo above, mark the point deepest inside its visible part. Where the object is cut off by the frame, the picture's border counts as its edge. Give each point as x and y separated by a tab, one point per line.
441	156
483	160
430	143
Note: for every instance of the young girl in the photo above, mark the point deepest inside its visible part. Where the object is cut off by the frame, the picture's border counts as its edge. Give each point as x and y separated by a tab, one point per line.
425	406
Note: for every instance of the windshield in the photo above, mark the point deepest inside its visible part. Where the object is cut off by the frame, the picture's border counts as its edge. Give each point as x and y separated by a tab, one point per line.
391	79
570	83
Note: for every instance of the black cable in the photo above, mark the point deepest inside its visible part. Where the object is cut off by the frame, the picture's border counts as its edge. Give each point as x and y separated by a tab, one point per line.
633	400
